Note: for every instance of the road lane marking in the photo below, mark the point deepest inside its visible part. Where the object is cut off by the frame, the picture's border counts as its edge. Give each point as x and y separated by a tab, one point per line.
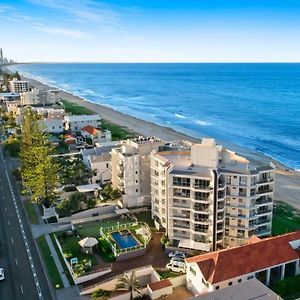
21	289
16	261
33	270
12	240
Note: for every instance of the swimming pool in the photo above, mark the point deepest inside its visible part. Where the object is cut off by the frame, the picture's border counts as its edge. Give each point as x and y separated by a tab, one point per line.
124	239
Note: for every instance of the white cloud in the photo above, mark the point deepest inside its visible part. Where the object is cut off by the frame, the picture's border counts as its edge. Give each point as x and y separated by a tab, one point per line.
60	31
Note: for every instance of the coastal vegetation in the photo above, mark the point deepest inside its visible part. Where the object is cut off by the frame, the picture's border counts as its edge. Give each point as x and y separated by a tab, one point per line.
38	168
286	218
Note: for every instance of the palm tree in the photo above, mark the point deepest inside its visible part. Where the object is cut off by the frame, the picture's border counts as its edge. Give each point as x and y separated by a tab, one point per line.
128	283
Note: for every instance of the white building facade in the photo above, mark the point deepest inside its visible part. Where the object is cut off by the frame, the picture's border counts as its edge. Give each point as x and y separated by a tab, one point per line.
209	197
77	122
131	170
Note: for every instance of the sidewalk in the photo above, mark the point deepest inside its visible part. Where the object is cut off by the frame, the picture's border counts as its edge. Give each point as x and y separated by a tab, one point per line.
60	268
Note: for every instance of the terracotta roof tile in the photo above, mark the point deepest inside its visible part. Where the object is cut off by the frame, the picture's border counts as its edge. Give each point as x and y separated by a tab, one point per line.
257	255
160	285
90	129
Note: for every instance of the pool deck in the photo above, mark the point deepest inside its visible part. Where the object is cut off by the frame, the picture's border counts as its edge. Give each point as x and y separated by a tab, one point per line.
154	256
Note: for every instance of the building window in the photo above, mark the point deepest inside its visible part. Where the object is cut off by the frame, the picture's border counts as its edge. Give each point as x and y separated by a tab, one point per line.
106	165
217	287
250	277
230	283
193	271
136	172
240	280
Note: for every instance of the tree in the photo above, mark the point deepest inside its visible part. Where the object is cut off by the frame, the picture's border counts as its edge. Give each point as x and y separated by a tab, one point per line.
128	283
39	170
101	294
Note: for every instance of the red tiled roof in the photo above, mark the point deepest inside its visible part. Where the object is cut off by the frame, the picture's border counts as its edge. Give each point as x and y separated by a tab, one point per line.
68	136
257	255
90	129
160	285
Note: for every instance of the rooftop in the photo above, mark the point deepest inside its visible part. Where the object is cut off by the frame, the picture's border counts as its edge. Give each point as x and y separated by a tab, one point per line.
87	188
257	255
159	285
248	290
90	129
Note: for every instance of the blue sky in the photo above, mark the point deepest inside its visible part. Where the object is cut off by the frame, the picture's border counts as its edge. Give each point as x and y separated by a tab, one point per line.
151	30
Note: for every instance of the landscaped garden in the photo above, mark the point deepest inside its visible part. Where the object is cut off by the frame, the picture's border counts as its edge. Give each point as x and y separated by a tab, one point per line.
285	218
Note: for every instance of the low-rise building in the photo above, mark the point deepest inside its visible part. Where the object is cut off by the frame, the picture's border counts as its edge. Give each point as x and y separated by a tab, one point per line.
96	135
31	97
131	170
209	197
52	125
7	97
76	123
268	260
248	290
101	168
19	86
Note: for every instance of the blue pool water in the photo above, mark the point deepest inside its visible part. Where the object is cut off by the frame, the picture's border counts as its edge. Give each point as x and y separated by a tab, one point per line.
124	241
252	105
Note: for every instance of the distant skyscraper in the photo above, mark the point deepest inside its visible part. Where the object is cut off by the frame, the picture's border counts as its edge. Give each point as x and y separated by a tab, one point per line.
1	56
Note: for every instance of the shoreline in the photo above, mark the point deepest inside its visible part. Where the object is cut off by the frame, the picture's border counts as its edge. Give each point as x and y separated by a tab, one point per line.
287	187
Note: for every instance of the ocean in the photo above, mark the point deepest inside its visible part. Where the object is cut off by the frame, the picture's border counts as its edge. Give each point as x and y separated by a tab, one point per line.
252	105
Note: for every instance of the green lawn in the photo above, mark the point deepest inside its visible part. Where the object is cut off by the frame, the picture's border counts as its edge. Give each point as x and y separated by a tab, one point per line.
117	132
288	288
167	274
285	219
31	213
92	229
53	273
76	109
66	270
145	216
72	249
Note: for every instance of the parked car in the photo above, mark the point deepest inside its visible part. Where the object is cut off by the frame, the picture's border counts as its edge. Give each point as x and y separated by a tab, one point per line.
177	258
2	277
177	266
177	253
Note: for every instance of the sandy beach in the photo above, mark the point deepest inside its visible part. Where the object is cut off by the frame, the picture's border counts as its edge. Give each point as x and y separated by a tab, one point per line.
287	182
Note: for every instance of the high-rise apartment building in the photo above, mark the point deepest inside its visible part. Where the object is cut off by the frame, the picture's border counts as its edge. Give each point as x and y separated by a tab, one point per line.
19	86
131	170
209	197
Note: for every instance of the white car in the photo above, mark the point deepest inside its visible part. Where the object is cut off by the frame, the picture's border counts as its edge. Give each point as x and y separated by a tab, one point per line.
177	266
2	277
177	254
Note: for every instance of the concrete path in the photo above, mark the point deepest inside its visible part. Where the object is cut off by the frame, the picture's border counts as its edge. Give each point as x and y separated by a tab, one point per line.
60	268
70	293
38	230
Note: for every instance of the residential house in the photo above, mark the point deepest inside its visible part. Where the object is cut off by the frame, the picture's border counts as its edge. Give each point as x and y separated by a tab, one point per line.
268	260
96	135
101	168
76	123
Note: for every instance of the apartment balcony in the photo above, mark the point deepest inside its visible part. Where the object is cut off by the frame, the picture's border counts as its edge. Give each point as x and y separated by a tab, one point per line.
181	216
263	201
264	212
202	187
241	216
220	227
202	220
201	208
221	206
265	180
181	226
181	205
221	185
182	195
181	235
202	230
203	240
262	221
264	191
263	232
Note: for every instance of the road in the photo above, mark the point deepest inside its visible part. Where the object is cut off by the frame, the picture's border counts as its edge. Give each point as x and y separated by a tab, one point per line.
25	275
